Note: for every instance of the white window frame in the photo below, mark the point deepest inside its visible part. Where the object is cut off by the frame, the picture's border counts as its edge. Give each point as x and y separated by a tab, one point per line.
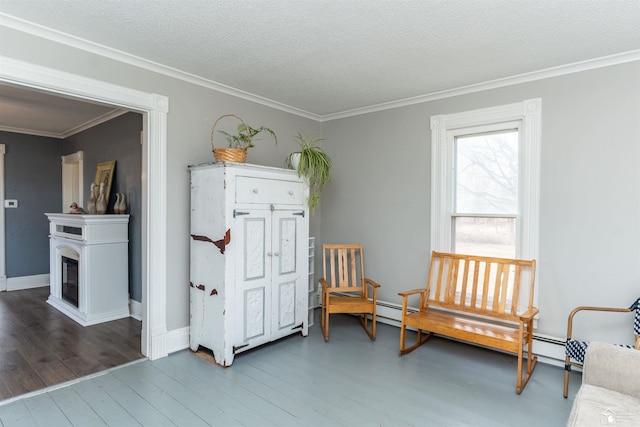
445	127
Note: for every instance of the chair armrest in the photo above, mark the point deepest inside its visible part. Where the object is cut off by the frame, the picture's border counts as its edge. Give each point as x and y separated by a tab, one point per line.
405	299
371	282
412	292
590	308
528	315
613	367
324	284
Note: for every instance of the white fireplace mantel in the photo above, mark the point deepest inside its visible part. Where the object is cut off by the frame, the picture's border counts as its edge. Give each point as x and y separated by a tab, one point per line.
100	244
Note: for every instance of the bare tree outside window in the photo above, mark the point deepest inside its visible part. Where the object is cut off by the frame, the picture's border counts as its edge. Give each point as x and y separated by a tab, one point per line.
486	194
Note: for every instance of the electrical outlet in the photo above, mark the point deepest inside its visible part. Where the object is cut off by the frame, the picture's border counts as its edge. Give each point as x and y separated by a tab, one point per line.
13	203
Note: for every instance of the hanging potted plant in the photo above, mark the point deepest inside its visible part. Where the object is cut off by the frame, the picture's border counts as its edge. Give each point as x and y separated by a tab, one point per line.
312	163
239	142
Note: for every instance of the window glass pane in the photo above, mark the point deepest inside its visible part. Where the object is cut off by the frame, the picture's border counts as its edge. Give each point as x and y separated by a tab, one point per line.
485	236
486	173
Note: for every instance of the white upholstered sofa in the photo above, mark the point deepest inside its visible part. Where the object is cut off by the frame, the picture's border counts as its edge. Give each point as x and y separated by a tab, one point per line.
610	391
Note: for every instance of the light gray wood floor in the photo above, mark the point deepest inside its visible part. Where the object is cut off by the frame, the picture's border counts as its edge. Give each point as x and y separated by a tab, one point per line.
349	381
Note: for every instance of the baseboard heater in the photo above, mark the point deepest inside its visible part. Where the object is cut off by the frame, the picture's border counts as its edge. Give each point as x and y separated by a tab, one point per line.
550	349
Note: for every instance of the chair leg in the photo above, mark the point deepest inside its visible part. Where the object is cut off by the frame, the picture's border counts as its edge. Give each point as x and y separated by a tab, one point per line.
325	330
324	319
523	377
419	340
373	321
364	320
567	371
403	336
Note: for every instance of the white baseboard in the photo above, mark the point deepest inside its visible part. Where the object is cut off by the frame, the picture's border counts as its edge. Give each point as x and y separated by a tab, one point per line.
550	350
178	339
27	282
135	309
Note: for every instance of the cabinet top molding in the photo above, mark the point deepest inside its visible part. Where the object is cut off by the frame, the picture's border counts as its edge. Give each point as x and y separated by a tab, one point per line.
87	219
244	166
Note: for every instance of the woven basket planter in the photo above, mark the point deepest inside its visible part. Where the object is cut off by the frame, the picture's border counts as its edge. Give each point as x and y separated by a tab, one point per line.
239	142
238	155
229	154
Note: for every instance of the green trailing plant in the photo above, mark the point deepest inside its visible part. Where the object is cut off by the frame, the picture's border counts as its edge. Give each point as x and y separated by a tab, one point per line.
314	165
245	135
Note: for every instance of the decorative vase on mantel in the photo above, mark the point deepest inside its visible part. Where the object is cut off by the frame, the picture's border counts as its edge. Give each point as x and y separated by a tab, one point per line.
101	203
123	204
120	206
91	203
116	204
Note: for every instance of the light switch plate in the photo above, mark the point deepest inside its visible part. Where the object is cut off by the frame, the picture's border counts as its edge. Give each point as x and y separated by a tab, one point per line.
11	203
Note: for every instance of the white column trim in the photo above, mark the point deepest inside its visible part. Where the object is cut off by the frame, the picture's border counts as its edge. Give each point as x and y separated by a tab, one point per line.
530	187
3	260
154	108
440	235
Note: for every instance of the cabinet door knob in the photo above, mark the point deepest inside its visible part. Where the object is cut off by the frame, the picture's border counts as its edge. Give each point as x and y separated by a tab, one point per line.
291	192
269	254
255	190
277	254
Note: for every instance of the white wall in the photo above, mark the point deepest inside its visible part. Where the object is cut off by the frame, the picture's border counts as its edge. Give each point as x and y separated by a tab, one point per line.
590	185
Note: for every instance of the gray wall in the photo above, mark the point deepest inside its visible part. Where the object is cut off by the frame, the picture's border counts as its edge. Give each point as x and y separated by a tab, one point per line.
192	111
119	140
379	194
590	191
33	176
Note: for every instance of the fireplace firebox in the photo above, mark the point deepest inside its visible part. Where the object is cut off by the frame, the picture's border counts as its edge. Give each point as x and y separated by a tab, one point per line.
70	278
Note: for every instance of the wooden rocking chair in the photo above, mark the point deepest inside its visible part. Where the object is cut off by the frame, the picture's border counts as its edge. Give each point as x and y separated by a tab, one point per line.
575	349
345	289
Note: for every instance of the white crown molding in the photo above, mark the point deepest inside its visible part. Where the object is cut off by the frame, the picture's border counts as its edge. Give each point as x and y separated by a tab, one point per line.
94	122
66	39
29	132
82	127
76	42
562	70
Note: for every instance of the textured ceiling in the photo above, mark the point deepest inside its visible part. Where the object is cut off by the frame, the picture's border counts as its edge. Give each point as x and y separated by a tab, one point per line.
326	57
35	113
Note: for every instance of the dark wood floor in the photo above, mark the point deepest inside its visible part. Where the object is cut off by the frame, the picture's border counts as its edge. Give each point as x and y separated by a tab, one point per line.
41	347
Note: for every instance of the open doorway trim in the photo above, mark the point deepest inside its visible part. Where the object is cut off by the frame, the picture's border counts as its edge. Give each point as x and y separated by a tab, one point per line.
72	180
154	108
3	265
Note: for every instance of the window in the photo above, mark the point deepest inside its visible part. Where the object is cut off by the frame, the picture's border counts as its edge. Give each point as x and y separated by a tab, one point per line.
485	181
485	191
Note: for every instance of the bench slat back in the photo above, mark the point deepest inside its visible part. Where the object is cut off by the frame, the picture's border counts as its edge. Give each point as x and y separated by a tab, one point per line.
480	285
343	267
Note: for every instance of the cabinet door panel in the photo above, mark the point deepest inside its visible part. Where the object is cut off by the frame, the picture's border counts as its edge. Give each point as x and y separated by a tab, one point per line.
286	245
253	284
286	305
254	313
254	248
287	277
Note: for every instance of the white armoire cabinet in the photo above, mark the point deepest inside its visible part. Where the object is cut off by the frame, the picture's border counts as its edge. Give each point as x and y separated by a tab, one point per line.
249	257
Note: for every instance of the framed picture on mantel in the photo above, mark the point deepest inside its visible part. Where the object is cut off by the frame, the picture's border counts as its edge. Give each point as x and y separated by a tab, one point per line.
104	175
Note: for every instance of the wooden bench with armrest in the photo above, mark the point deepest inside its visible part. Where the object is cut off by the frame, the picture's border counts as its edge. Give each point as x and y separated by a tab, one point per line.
475	299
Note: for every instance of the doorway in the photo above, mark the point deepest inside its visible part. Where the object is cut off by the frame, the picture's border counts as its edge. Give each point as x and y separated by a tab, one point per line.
154	109
72	180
